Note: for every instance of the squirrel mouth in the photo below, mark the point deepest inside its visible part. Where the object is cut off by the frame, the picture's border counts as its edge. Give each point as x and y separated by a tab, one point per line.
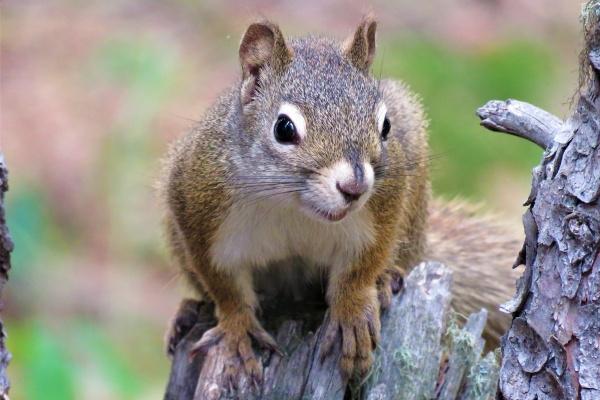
332	216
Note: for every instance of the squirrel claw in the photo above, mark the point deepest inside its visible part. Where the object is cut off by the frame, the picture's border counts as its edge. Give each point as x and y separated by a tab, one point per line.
208	339
237	352
389	283
183	321
359	335
230	373
235	345
265	340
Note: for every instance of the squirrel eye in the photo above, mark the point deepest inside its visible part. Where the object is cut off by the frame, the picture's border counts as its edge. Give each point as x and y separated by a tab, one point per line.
385	130
285	130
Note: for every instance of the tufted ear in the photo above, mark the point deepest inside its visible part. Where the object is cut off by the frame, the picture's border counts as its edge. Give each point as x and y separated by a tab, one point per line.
360	47
263	44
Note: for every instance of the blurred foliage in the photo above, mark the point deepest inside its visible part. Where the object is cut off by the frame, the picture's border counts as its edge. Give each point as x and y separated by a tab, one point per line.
80	359
45	364
147	73
30	225
452	84
77	360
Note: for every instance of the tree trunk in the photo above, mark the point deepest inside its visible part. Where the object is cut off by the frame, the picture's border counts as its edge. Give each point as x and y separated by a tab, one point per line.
552	350
6	246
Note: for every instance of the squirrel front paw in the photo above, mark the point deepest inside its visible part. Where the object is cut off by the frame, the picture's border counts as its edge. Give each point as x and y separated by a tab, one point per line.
357	325
389	283
184	320
233	334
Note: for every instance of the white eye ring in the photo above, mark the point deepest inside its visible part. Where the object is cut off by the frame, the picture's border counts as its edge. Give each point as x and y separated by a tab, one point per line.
294	113
381	113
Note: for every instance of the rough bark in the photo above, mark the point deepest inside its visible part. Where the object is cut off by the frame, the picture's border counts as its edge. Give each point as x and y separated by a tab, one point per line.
6	246
552	350
435	363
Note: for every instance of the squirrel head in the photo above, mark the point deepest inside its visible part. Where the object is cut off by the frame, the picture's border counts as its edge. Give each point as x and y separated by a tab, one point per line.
313	120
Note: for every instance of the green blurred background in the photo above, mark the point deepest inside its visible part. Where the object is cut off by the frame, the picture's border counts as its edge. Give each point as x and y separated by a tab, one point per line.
92	92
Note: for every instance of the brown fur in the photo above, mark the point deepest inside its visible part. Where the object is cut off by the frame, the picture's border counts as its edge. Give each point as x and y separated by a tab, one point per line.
480	251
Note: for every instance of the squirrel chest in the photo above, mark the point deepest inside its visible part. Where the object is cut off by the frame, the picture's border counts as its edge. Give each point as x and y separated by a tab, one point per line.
256	235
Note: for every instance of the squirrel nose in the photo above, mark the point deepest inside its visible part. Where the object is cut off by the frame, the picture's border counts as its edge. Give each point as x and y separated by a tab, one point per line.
352	190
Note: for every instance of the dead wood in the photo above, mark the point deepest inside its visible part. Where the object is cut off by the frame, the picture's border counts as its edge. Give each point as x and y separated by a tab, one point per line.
418	357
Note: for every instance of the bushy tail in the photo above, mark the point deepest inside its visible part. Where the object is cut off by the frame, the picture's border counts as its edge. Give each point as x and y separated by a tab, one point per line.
480	251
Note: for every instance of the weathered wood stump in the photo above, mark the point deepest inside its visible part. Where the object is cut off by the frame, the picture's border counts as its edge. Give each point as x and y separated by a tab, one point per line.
421	354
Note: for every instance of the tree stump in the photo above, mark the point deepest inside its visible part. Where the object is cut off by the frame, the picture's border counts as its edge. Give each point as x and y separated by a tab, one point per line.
421	354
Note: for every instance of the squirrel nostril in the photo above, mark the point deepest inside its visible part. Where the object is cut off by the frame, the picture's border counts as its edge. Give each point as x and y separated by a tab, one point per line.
351	191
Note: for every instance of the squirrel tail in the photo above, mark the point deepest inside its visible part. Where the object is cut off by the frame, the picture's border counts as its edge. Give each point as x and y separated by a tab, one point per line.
480	251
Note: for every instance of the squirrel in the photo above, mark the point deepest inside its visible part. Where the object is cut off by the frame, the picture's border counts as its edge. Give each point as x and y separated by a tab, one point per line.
310	156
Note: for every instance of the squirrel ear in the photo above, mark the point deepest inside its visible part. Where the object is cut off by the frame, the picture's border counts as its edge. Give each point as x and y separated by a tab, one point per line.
262	44
360	47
